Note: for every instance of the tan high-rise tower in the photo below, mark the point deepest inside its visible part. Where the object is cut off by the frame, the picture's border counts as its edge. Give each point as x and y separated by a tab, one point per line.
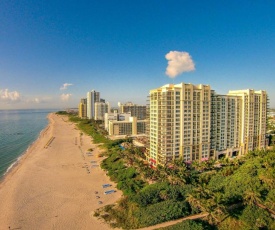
253	118
195	123
179	123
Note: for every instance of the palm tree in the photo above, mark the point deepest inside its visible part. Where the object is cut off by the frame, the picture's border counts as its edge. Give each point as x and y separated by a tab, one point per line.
216	214
196	165
183	174
251	197
195	203
163	194
268	179
270	202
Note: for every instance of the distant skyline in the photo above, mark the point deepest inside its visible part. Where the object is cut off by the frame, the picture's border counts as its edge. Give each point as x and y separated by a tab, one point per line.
53	52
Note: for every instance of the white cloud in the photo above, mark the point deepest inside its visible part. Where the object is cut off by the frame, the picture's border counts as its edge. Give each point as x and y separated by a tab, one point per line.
65	97
65	86
178	62
37	100
6	95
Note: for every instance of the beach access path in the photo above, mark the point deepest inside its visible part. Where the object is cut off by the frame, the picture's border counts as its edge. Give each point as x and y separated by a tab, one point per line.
54	184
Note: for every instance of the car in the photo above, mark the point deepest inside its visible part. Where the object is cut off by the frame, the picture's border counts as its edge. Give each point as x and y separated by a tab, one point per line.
100	202
97	197
96	192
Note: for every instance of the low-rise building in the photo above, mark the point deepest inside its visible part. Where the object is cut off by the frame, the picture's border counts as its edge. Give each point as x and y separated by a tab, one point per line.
115	116
131	127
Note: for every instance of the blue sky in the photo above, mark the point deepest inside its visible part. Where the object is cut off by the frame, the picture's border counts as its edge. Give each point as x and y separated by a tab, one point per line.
118	48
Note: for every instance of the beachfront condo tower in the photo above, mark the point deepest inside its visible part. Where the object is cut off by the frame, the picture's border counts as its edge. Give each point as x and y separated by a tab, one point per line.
82	108
225	125
192	122
179	121
253	119
92	98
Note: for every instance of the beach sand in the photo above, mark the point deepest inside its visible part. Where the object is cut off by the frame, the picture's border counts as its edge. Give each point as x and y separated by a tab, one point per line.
51	187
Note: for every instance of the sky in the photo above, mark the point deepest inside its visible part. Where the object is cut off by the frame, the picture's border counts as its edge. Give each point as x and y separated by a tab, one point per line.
53	52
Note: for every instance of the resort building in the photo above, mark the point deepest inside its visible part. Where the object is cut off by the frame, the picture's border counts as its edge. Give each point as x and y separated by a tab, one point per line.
195	123
115	117
82	108
179	121
132	127
92	98
138	111
100	109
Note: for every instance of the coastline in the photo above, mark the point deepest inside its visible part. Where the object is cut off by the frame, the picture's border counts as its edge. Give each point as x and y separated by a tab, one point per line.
12	168
47	186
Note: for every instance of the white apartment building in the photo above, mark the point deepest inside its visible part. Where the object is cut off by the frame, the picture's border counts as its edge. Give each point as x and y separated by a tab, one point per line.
92	97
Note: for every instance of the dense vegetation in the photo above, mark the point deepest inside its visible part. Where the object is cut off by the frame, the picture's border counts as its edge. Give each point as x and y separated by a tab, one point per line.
238	195
230	194
271	130
61	113
190	225
92	128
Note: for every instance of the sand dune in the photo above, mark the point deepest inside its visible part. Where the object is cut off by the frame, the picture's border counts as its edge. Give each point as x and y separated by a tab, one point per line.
51	187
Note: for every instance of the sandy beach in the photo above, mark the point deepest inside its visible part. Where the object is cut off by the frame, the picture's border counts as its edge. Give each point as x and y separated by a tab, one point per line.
54	184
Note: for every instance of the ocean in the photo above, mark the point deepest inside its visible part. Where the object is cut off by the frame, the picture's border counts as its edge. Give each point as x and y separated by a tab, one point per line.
18	130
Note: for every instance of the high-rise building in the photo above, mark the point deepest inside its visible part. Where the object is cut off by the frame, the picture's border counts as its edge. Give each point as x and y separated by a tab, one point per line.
179	123
195	123
225	125
253	119
92	97
138	111
82	108
100	109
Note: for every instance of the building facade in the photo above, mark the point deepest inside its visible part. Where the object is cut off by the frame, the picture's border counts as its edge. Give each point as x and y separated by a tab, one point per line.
92	98
100	109
131	127
179	121
253	119
138	111
192	122
82	108
225	125
115	117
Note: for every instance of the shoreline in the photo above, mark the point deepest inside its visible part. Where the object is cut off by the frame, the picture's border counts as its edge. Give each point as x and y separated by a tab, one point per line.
49	186
23	155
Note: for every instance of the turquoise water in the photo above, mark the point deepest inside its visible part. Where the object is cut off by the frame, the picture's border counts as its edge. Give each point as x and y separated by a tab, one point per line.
18	130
